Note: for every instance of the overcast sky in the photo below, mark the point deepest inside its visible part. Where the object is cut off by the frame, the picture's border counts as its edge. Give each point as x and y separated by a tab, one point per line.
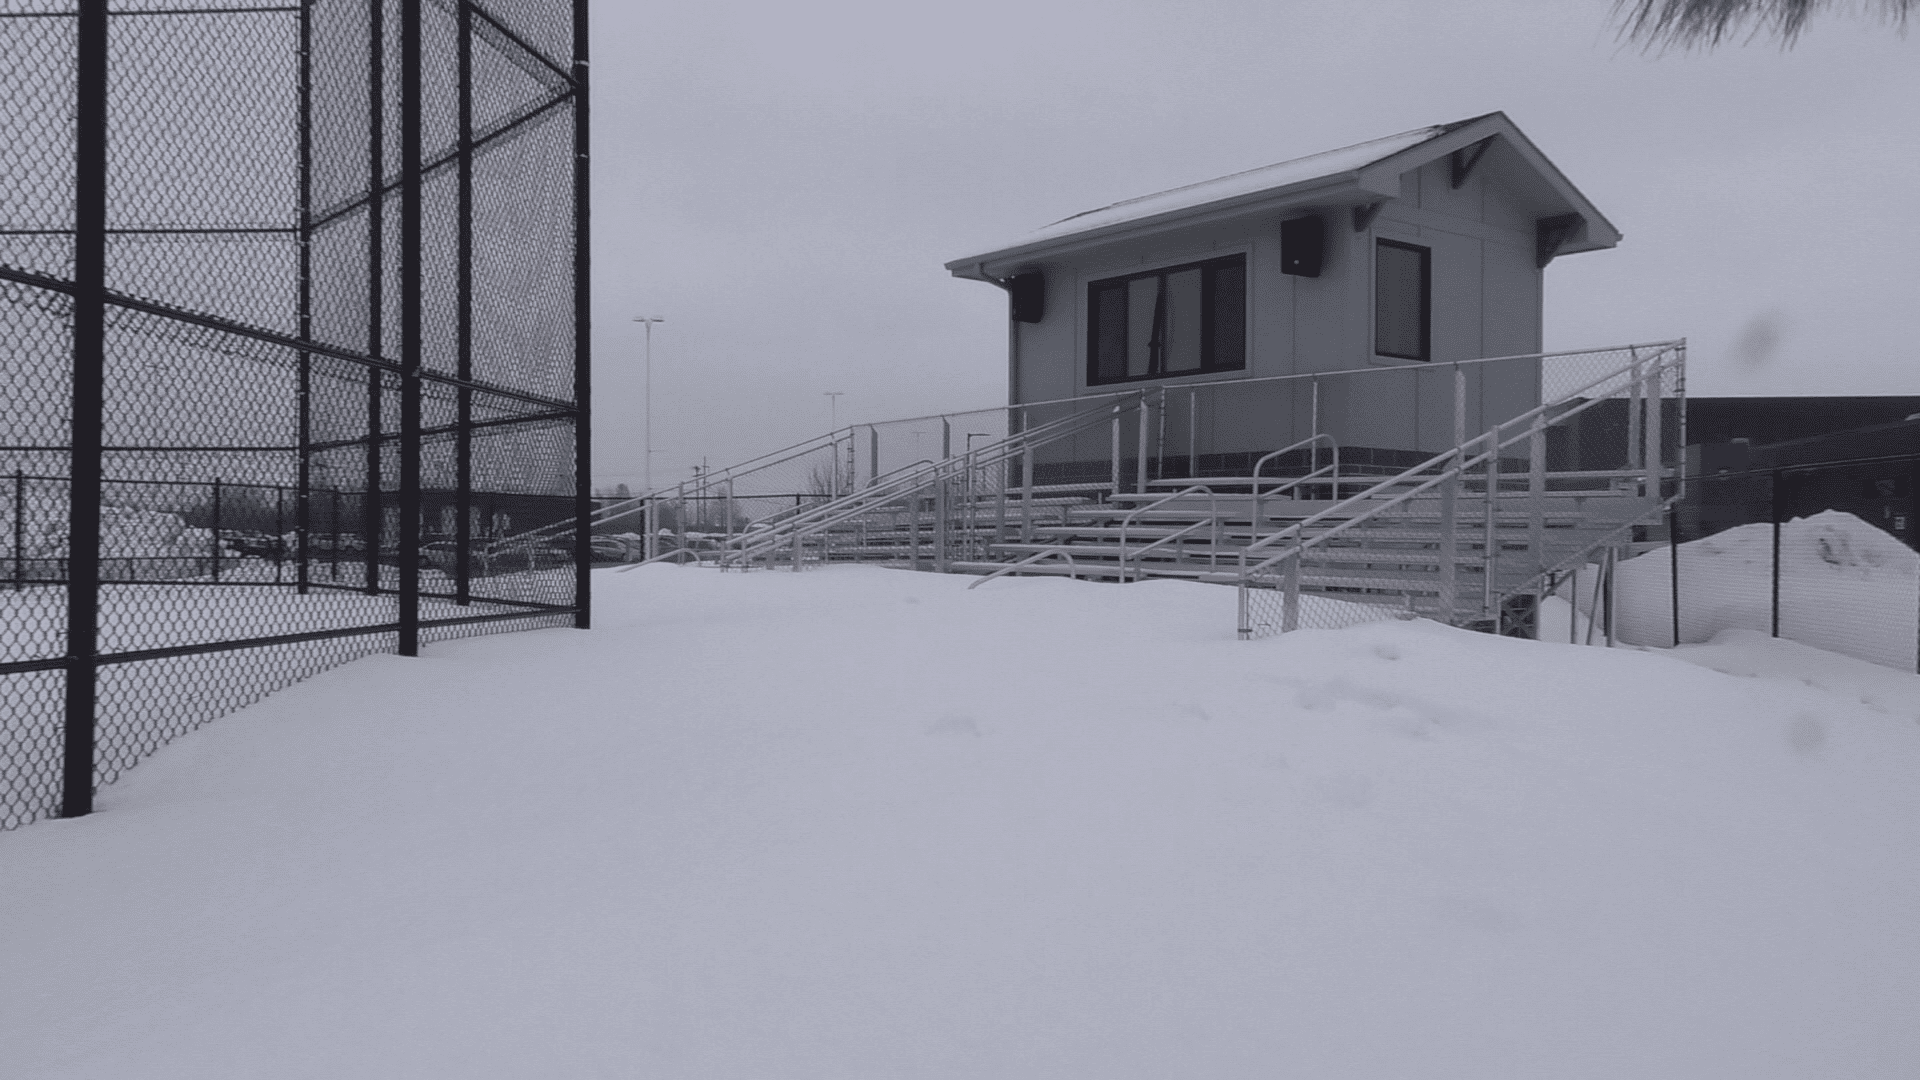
783	182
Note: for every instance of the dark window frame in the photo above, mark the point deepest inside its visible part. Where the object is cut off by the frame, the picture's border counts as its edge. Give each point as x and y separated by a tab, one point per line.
1209	336
1426	299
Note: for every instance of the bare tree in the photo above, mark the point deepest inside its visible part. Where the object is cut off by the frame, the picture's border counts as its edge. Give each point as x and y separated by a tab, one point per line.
1689	23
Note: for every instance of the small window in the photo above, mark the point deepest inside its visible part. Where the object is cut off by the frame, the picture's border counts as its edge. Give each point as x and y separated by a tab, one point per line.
1402	300
1179	320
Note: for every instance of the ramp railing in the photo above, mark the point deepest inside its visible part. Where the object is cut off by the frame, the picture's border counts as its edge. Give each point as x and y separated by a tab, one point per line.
1406	539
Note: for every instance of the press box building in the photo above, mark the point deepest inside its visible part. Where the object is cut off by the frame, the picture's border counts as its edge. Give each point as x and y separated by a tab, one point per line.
1396	255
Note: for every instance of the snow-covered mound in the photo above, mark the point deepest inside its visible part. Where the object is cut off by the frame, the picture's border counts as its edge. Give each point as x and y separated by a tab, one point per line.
1845	586
125	531
859	823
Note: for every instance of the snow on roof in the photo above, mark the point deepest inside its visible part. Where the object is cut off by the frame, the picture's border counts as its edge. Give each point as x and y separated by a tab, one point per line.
1329	163
1252	181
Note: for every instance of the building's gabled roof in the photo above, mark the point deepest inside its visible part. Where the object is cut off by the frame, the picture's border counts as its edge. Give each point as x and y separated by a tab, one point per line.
1354	175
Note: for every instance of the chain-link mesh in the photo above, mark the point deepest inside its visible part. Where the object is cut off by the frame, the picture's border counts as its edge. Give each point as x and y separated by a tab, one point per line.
1821	553
257	519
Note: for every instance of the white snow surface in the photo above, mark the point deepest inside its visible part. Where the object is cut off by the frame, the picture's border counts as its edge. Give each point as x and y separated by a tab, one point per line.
860	823
1845	586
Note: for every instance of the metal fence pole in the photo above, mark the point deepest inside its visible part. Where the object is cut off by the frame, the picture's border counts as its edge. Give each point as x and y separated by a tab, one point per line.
303	503
376	280
463	311
408	542
1673	569
19	529
1776	552
89	405
214	553
582	330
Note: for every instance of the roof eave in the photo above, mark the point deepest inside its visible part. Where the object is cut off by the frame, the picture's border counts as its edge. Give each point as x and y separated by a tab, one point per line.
1339	189
1598	232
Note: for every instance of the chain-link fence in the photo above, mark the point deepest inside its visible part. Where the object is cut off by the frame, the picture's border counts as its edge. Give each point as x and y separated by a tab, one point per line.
291	334
1819	553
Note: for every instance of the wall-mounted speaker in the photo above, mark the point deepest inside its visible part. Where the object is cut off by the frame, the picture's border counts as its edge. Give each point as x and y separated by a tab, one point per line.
1027	296
1303	245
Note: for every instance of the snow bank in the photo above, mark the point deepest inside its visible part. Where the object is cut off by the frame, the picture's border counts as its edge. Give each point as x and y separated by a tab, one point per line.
1845	586
125	532
864	823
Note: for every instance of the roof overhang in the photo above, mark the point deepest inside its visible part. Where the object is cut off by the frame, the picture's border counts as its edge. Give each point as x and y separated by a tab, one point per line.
1358	176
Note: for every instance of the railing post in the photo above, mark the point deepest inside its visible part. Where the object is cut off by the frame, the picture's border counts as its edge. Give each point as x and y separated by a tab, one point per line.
940	510
1490	563
1160	440
1449	540
1140	449
1459	407
1537	496
1114	452
1026	491
1290	619
1193	433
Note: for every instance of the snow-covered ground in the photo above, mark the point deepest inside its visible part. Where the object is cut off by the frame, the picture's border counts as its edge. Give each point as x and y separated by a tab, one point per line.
1845	586
859	823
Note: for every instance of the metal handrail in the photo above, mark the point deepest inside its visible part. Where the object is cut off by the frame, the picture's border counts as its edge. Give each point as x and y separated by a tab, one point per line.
1297	481
1458	454
1213	515
835	512
1073	569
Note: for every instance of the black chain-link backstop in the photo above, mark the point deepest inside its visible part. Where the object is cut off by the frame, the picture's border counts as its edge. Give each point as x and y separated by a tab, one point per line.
292	341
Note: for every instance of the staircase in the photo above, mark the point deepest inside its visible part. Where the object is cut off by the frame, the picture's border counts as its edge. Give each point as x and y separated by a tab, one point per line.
1470	536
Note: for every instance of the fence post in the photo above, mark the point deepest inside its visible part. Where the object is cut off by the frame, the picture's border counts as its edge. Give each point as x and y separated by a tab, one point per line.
216	529
407	543
1653	453
279	529
19	529
370	523
303	491
1673	559
1115	450
1776	552
463	309
89	405
334	549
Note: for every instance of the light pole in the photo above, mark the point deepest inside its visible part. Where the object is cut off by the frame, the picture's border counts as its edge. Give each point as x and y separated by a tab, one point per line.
833	407
647	485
